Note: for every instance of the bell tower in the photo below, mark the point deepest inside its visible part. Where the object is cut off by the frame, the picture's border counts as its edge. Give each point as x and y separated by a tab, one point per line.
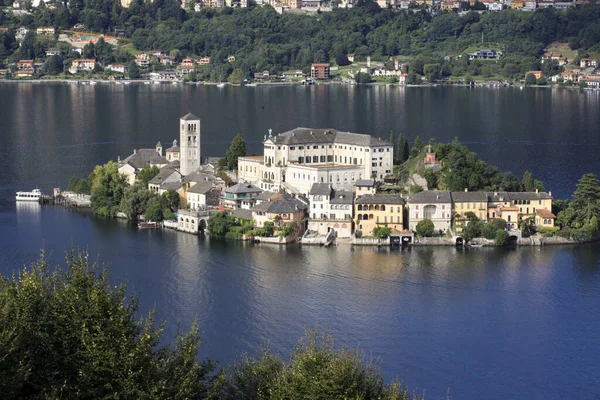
189	144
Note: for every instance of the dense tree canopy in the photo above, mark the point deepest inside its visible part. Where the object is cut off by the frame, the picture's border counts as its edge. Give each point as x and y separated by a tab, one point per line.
262	39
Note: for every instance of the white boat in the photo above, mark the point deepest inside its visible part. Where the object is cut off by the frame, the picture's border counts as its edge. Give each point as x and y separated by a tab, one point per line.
220	85
93	82
83	83
127	82
34	195
146	83
156	82
174	83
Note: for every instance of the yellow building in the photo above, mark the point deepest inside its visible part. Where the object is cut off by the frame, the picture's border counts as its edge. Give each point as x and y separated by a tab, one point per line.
377	210
466	202
544	218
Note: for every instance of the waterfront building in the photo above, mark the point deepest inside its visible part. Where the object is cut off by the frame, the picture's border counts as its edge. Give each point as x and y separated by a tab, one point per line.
469	202
189	143
319	70
25	68
186	66
537	74
589	63
378	210
544	218
330	209
241	195
297	159
117	68
547	57
435	205
279	209
82	64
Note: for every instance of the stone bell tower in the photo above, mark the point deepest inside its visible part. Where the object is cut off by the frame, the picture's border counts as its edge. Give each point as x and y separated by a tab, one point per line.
189	144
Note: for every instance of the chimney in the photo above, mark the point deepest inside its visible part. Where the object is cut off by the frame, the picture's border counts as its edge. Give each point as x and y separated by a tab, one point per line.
134	151
118	159
437	197
537	190
550	194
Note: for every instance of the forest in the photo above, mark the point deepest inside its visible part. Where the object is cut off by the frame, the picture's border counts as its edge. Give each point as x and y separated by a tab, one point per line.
261	39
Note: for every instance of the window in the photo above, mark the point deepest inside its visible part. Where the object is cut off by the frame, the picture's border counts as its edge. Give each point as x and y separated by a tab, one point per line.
315	147
388	150
301	148
417	207
292	148
315	159
443	206
329	158
278	147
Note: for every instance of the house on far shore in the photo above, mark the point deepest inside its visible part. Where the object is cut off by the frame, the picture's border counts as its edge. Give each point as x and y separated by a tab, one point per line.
241	195
319	71
45	31
25	68
485	55
537	74
202	195
82	64
350	57
589	63
117	68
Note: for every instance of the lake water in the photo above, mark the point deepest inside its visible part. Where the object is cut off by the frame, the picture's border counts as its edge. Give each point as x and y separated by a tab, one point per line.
484	323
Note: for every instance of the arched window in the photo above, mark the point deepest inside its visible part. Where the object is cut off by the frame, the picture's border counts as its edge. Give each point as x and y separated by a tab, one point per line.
382	207
376	207
370	216
360	207
360	217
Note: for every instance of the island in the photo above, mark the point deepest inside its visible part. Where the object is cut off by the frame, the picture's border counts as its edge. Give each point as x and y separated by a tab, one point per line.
324	186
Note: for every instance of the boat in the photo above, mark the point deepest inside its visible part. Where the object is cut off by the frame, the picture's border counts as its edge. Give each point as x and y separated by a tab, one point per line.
146	83
93	82
220	85
127	82
148	225
156	82
174	83
475	244
34	195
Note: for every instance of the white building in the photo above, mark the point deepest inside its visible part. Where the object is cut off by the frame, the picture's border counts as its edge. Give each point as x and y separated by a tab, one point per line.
330	210
435	205
189	143
297	159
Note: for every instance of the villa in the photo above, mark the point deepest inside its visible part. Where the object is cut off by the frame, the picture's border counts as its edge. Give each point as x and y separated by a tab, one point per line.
297	159
241	195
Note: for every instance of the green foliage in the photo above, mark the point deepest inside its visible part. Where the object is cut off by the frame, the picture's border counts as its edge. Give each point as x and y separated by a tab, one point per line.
236	77
541	81
464	169
146	174
70	333
585	205
236	149
107	189
417	147
133	70
425	227
403	151
222	163
471	216
473	230
135	200
289	228
363	77
170	199
316	370
53	66
488	231
382	231
501	237
530	184
432	72
530	79
79	185
431	178
153	211
342	60
498	223
219	224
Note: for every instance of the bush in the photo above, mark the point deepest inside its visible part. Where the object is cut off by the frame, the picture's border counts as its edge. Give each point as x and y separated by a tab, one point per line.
501	237
488	231
547	231
382	231
425	227
498	223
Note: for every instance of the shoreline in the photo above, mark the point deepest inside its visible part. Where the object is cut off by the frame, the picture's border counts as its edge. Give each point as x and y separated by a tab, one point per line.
279	84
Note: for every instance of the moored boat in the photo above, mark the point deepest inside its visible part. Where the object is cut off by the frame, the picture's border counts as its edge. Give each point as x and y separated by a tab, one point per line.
148	225
34	195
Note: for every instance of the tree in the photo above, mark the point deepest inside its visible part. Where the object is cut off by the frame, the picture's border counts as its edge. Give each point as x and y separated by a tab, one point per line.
146	174
107	188
53	65
530	79
501	237
236	77
135	200
392	141
432	72
133	70
153	211
342	60
236	149
417	147
89	51
382	231
317	369
473	230
403	151
586	201
425	227
70	332
27	48
412	78
362	77
498	223
170	199
540	81
219	224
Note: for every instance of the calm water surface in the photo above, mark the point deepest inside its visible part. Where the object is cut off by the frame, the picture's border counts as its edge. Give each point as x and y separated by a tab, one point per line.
485	323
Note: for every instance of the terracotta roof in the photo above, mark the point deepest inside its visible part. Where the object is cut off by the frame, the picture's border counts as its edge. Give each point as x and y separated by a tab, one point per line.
545	213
